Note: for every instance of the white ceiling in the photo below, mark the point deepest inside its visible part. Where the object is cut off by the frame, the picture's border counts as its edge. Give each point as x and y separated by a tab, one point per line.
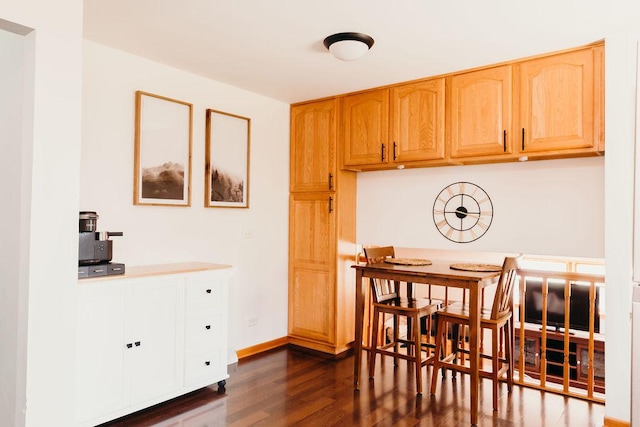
274	48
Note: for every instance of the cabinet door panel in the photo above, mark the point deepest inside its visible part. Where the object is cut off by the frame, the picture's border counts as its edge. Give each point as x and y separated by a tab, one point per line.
418	121
312	267
557	102
312	304
100	350
311	228
480	106
154	309
365	121
313	148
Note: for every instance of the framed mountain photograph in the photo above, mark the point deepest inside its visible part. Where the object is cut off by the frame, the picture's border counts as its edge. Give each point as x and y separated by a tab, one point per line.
163	132
227	160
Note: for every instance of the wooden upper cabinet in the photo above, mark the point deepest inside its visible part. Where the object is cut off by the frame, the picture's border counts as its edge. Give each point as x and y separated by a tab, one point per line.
418	121
546	107
313	146
560	102
479	113
365	128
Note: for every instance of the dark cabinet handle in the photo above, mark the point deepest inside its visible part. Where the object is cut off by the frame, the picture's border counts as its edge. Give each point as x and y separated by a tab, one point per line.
330	181
208	291
129	345
207	363
504	141
522	139
394	150
137	343
208	327
330	204
382	154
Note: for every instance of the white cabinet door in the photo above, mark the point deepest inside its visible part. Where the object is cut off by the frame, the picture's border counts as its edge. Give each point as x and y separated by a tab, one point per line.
152	359
100	350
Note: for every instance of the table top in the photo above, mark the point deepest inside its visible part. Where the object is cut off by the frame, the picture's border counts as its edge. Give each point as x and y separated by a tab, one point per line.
438	273
159	270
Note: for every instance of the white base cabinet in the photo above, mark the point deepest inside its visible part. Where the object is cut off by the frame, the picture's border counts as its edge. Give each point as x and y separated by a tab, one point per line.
148	336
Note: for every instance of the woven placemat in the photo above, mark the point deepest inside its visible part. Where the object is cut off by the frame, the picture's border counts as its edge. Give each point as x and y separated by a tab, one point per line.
476	267
408	261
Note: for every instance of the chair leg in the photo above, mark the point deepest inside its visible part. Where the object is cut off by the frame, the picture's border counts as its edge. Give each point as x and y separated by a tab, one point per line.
440	355
495	361
508	331
441	335
417	353
457	334
409	335
396	345
374	342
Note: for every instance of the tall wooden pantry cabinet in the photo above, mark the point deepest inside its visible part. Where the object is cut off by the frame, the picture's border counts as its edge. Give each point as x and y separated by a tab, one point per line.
322	217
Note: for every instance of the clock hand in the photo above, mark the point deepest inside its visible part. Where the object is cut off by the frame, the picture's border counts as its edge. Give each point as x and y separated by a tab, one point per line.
475	214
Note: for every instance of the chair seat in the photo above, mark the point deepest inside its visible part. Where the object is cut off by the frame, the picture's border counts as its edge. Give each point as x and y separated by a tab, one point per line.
459	313
424	305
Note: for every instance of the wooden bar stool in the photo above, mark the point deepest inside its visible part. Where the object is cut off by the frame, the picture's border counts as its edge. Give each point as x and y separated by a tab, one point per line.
386	299
499	320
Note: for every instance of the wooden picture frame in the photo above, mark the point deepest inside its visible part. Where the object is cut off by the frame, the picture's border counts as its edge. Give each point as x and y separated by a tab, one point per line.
162	158
227	160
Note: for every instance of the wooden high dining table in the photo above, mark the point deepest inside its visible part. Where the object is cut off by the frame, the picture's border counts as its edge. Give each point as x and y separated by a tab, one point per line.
438	273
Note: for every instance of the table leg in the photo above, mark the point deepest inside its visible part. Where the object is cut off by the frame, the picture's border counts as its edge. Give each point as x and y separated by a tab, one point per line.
474	332
359	315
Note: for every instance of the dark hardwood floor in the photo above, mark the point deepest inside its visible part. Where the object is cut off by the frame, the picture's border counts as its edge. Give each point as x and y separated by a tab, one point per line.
285	387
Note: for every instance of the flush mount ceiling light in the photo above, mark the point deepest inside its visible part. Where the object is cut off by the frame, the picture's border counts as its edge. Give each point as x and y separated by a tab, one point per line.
348	46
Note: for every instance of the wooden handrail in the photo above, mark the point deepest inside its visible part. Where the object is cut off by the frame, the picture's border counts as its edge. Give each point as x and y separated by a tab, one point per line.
562	275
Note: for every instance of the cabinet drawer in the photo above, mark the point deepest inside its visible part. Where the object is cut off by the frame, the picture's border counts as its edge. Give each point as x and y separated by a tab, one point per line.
204	331
205	293
205	363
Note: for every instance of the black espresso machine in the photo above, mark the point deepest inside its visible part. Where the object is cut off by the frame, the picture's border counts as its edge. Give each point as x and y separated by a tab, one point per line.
95	249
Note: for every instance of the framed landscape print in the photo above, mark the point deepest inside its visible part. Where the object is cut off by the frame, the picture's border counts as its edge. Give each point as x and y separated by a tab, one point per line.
162	162
227	160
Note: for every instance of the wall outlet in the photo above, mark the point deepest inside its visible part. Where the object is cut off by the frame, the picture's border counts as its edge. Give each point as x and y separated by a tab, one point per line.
253	321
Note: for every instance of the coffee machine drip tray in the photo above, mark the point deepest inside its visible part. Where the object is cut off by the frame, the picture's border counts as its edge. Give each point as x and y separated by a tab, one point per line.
97	270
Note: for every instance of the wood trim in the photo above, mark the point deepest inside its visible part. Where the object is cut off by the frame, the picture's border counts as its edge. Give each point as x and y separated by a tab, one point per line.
612	422
288	341
262	347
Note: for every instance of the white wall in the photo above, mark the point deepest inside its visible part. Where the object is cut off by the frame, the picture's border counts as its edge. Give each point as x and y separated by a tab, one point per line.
11	84
253	240
48	183
553	207
620	82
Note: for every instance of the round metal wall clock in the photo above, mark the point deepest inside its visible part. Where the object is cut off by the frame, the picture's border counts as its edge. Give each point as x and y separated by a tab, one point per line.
462	212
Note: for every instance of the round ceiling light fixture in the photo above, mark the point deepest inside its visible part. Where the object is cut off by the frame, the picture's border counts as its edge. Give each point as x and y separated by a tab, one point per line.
348	46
